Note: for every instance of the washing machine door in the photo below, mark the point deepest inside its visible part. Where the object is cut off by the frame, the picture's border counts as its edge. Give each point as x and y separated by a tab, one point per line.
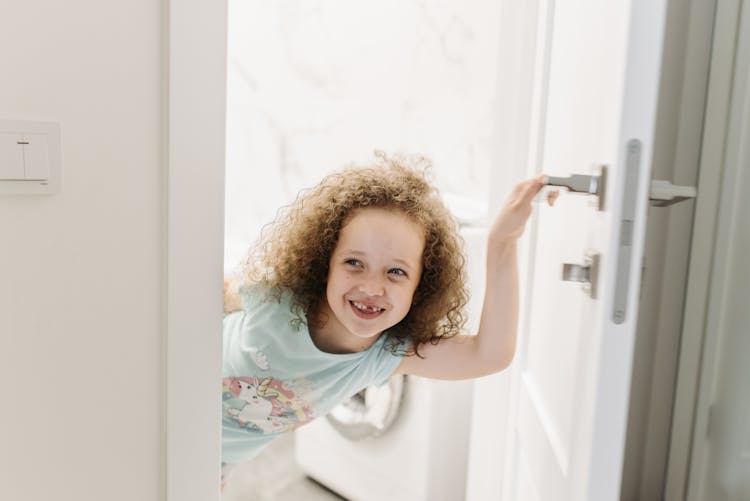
370	412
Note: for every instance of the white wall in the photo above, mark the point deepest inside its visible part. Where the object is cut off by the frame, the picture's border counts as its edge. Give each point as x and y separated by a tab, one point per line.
81	356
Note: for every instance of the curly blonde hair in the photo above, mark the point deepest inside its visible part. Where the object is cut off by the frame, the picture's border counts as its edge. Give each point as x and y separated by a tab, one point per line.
294	251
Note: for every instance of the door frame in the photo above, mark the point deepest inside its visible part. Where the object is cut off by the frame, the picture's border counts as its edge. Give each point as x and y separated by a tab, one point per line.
195	42
706	272
688	42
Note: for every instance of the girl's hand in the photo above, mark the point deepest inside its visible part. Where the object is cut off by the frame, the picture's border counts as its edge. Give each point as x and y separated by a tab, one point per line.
232	300
510	223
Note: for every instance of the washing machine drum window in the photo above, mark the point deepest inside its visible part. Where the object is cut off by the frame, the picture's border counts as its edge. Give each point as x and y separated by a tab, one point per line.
370	412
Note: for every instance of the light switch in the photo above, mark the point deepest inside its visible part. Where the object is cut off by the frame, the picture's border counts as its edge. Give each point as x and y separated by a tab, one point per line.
36	157
11	156
29	157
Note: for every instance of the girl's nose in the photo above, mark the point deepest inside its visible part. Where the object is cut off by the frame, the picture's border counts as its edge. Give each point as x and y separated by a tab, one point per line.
372	286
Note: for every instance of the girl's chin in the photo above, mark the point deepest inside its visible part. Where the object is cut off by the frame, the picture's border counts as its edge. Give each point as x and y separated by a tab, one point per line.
366	329
365	334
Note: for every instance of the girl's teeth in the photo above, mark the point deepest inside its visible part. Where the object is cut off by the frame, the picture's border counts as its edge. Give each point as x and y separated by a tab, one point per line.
369	309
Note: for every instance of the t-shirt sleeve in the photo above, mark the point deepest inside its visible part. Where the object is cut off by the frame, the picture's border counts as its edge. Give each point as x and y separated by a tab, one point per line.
387	362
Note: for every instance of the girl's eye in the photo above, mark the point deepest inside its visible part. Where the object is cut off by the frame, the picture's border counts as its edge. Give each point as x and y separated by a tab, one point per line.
353	262
397	271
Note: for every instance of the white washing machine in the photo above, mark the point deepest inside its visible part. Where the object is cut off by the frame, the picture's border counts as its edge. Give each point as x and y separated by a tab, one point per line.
405	441
420	455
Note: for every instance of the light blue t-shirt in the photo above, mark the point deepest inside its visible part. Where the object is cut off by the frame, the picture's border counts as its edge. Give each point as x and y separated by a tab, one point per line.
275	379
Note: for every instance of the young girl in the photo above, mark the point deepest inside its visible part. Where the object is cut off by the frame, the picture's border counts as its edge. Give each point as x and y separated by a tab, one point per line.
361	278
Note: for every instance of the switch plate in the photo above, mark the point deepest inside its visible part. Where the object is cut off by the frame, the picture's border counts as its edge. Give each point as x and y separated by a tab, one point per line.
11	157
36	157
29	157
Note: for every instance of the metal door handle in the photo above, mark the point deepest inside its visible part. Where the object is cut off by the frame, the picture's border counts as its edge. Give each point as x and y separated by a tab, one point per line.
577	182
664	193
580	183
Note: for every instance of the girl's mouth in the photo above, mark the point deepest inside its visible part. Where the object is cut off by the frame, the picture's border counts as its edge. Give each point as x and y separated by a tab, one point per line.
364	311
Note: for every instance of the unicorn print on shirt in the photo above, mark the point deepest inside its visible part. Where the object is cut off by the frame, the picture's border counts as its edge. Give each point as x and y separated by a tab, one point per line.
263	404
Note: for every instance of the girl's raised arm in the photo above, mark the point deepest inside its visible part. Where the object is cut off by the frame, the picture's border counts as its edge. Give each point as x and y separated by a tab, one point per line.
493	348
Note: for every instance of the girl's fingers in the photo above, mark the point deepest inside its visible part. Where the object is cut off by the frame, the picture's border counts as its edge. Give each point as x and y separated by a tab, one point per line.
525	191
530	188
552	196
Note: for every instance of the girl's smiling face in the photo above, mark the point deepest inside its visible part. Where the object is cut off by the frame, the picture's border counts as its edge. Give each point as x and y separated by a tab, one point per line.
373	273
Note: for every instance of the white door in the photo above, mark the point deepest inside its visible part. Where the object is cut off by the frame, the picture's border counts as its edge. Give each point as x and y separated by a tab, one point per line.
598	64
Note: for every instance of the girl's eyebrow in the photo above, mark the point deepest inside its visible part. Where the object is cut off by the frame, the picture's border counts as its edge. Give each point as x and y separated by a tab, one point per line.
352	252
356	253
